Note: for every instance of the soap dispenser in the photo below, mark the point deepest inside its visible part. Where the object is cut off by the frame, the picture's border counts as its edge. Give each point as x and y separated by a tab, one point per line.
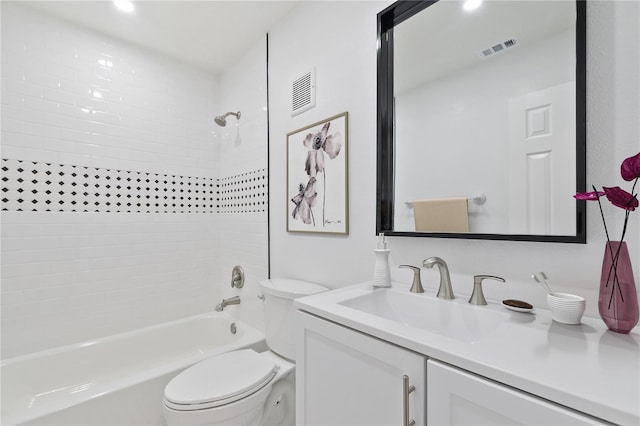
381	272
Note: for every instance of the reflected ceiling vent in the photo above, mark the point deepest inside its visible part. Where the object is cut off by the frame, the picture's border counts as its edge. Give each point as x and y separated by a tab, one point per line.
500	47
303	93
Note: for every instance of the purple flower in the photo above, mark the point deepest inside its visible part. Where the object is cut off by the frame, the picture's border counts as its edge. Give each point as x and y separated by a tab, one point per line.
304	200
318	144
589	196
621	198
630	168
630	171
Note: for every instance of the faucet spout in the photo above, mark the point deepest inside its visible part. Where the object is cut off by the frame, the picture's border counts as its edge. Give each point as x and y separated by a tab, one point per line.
445	291
235	300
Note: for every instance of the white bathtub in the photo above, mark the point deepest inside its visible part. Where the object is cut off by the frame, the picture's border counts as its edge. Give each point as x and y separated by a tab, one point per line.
116	380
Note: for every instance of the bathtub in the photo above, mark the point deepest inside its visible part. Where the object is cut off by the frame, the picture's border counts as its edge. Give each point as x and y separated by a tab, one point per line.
116	380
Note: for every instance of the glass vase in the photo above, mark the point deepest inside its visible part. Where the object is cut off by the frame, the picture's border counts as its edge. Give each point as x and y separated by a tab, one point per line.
617	300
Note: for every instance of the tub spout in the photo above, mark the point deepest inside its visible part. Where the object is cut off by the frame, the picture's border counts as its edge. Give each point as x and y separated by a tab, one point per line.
235	300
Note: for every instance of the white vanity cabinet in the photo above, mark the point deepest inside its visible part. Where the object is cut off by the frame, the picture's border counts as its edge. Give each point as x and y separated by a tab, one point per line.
456	397
483	365
344	377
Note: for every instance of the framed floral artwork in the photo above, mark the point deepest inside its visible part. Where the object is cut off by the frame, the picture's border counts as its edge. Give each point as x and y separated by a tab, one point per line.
317	178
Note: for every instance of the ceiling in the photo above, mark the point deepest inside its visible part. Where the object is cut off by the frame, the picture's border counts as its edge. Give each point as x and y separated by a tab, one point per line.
209	34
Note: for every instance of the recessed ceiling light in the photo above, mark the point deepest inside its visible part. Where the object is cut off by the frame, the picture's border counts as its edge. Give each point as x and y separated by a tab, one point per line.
471	4
125	6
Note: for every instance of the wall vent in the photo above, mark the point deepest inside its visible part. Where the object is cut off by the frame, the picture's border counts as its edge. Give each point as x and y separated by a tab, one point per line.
303	93
499	47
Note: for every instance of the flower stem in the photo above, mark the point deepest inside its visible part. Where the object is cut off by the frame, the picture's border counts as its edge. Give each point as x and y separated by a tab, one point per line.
604	222
614	263
606	231
614	267
324	193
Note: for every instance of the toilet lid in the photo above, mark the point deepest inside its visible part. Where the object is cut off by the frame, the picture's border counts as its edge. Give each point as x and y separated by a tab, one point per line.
220	380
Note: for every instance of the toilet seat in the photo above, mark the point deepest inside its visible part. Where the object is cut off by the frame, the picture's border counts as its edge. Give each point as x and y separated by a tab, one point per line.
220	380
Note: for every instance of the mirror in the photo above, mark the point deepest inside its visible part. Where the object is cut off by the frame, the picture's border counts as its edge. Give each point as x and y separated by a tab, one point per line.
481	120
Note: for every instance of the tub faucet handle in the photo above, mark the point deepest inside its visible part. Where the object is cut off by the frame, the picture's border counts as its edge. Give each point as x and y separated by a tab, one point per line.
477	296
237	277
416	286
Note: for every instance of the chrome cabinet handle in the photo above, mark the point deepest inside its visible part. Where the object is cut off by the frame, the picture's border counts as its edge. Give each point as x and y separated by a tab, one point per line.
406	390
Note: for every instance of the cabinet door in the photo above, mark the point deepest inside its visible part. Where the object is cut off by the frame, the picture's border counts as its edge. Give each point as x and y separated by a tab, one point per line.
345	378
455	397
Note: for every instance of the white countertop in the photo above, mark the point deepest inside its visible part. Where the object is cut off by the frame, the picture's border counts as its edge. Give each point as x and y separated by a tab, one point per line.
584	367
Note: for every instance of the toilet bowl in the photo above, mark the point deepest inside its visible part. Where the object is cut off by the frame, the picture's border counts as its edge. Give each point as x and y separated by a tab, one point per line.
245	387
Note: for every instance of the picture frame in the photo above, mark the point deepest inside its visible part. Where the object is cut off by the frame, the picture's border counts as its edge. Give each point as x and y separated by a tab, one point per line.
317	177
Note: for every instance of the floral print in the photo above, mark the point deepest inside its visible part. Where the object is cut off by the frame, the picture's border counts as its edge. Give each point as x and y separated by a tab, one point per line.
320	145
304	200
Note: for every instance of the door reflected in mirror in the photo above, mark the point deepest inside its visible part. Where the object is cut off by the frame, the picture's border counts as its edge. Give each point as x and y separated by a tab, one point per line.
481	120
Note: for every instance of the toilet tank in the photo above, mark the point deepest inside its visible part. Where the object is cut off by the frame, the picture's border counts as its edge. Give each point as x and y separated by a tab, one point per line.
279	311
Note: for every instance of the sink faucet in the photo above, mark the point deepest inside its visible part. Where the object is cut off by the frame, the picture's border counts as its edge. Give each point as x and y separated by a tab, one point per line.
235	300
445	291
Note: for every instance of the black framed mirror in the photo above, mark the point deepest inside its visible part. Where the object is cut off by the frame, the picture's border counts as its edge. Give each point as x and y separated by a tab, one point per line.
482	116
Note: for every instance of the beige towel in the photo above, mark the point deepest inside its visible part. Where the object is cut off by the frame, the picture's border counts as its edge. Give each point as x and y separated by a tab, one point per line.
441	215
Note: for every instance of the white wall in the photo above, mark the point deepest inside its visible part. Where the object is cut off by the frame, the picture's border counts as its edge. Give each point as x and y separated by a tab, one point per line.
71	276
341	45
345	61
242	238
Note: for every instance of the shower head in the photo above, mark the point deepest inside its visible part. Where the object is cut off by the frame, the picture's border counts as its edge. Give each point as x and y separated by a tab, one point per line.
221	120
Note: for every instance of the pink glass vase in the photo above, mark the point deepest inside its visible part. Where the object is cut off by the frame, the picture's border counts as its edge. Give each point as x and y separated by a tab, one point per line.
618	300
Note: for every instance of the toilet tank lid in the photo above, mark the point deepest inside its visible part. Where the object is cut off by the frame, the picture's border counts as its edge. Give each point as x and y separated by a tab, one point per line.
290	288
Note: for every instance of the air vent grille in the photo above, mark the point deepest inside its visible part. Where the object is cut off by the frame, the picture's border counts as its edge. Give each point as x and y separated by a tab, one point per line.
499	47
303	93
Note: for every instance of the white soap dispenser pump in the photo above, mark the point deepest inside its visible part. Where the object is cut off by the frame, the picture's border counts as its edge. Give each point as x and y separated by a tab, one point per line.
381	272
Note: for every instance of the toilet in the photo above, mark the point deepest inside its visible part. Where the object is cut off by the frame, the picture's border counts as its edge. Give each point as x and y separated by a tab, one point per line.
245	387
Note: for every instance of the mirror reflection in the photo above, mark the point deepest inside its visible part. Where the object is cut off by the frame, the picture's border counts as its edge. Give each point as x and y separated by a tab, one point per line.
484	120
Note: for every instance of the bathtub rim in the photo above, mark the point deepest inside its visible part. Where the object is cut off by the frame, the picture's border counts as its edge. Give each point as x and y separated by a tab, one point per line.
251	337
60	349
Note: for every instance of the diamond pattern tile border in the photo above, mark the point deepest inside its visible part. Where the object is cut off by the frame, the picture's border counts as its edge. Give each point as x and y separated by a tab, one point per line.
38	186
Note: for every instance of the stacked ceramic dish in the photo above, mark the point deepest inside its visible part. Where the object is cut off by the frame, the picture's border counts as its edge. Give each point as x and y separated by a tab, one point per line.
566	308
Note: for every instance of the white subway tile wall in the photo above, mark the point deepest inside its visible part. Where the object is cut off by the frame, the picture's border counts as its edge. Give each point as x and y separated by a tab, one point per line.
74	97
71	97
243	232
70	277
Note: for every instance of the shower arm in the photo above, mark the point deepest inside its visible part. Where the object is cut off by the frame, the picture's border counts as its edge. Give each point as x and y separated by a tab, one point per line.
221	120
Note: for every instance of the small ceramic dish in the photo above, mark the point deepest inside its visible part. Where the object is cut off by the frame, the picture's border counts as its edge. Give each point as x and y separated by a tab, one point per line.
517	305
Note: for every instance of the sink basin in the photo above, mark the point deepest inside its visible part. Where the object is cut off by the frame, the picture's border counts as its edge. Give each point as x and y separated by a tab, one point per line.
452	318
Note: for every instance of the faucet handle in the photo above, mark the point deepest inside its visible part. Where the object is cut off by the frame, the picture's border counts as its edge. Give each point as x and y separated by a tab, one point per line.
237	277
477	296
416	286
